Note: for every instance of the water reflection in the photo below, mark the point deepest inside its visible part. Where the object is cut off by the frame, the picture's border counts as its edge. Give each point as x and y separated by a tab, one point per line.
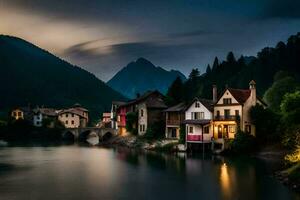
74	172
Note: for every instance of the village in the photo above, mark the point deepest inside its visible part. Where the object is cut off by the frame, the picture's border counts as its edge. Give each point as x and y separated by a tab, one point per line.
201	124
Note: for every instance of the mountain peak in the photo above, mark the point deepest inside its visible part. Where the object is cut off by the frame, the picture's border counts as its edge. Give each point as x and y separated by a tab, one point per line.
141	76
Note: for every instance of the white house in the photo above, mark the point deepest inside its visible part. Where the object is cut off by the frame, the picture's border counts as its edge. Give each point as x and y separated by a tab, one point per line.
232	111
198	118
40	114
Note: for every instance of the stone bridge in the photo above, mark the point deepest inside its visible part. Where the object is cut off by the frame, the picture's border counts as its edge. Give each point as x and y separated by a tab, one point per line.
82	134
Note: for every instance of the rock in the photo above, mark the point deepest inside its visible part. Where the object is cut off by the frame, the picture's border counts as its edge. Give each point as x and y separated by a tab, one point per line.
181	147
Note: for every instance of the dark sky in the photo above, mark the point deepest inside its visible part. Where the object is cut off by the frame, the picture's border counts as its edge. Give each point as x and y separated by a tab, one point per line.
102	36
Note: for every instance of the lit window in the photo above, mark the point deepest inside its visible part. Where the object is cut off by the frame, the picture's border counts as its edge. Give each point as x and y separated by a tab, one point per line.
19	114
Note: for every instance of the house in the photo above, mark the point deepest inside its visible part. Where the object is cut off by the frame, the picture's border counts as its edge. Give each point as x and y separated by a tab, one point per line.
24	113
41	114
106	120
75	117
198	121
232	111
148	109
175	116
84	112
114	113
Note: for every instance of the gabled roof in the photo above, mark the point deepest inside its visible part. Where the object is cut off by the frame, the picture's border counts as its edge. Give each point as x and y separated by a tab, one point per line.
177	108
240	95
46	111
150	102
73	111
209	104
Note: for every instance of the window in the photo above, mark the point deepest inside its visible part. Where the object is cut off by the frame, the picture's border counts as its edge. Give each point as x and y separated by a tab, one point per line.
72	115
191	129
227	113
218	113
231	129
14	114
206	129
197	115
19	114
144	127
197	104
237	112
72	122
67	115
227	101
142	112
67	122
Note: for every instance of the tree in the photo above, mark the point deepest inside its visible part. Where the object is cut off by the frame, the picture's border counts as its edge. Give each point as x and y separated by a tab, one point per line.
175	92
230	58
266	123
216	64
131	120
208	69
290	108
273	96
182	134
194	74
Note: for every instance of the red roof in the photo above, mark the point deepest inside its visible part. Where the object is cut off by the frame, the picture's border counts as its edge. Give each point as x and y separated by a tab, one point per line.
240	95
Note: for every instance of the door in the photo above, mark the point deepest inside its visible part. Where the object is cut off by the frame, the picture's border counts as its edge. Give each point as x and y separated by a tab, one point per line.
220	134
173	132
225	130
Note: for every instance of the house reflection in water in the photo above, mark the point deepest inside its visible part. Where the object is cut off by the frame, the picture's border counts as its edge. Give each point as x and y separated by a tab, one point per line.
225	181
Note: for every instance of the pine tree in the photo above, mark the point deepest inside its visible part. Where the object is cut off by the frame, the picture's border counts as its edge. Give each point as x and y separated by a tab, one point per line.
208	69
194	74
216	64
175	92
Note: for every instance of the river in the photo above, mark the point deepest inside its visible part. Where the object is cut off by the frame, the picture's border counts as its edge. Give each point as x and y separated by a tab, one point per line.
87	173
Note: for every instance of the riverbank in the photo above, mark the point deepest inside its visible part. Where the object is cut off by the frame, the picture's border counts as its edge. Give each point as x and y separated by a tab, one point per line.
288	174
130	141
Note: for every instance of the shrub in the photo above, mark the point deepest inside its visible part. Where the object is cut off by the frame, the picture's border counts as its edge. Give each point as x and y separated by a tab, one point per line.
155	130
243	143
182	134
131	120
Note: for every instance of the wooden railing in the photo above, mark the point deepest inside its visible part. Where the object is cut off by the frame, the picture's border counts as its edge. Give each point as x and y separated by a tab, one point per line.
173	122
226	117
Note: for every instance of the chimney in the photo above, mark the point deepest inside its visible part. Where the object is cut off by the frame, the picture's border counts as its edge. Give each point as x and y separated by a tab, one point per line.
215	93
252	87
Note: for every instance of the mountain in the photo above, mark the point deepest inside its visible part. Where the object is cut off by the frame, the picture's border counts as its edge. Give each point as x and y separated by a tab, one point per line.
30	75
142	75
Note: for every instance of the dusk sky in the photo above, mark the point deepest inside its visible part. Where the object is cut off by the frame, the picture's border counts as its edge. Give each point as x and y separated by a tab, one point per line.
102	36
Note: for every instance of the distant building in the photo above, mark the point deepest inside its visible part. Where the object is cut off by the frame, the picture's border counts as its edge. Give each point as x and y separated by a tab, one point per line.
114	113
24	113
175	116
148	108
41	114
74	117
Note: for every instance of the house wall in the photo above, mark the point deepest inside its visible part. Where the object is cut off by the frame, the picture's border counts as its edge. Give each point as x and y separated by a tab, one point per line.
202	108
227	94
197	130
17	114
69	117
142	118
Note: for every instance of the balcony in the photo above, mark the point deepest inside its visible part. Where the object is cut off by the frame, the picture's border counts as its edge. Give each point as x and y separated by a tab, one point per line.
194	138
227	118
175	122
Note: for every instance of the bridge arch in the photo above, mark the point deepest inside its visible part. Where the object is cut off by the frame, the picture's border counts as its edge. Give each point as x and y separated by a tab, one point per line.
107	135
69	135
